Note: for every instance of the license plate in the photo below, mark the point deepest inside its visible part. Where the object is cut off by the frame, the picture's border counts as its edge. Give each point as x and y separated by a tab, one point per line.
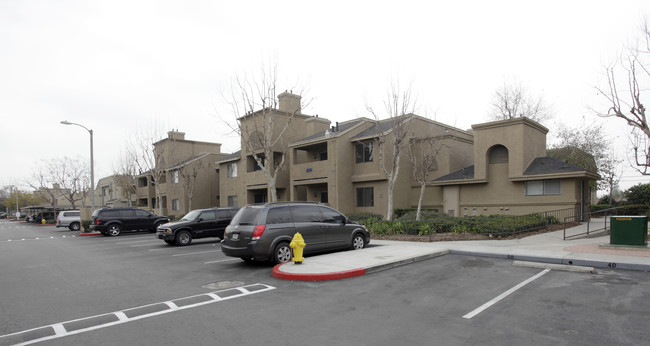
235	236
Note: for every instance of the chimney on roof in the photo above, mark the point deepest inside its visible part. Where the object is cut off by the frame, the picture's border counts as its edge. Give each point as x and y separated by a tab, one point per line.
289	103
176	135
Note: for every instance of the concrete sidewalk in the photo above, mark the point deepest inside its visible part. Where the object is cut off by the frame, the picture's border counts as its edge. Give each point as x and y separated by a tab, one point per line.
546	248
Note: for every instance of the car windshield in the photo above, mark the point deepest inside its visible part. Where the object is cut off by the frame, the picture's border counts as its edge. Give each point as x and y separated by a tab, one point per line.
191	215
246	216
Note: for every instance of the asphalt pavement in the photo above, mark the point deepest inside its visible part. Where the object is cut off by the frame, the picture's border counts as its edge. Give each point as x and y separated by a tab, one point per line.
550	248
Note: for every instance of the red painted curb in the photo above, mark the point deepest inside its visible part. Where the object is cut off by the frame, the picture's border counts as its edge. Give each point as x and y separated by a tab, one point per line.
316	277
47	224
88	234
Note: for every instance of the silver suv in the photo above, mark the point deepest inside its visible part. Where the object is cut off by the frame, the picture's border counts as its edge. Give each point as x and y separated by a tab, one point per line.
70	219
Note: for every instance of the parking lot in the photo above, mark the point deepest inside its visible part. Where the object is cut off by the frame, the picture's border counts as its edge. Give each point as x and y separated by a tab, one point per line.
60	289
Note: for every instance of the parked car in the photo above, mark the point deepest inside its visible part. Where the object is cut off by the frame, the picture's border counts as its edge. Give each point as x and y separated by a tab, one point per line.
70	219
200	223
263	232
38	218
113	221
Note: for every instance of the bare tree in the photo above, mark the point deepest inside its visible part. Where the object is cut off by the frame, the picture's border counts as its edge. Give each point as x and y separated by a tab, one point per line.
393	135
260	125
71	176
188	175
423	154
611	175
124	174
512	100
149	159
626	102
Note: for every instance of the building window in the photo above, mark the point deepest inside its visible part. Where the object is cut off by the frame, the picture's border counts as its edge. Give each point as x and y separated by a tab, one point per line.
363	152
175	176
543	187
176	204
365	197
323	156
232	170
232	201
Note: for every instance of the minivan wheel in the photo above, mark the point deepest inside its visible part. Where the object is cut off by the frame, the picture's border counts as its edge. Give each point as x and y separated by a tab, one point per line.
282	253
358	242
74	226
183	238
114	230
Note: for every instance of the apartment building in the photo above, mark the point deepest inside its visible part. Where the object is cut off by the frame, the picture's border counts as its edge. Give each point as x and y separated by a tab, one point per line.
115	191
186	176
494	168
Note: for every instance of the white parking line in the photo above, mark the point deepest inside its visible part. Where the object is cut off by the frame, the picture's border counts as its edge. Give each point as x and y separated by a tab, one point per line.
226	260
503	295
195	253
60	330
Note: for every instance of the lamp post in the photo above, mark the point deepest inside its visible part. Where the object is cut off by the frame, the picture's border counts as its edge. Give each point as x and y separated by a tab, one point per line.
92	165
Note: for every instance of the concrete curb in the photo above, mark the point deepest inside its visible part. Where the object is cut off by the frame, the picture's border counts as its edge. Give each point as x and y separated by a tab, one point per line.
387	266
82	234
559	260
316	277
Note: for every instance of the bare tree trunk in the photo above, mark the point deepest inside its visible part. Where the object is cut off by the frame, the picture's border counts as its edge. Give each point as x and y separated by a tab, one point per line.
418	214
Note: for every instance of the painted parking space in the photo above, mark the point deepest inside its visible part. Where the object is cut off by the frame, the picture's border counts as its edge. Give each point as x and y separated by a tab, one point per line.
90	323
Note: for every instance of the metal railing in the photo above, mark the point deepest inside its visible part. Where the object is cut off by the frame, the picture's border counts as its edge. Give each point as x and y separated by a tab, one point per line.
587	218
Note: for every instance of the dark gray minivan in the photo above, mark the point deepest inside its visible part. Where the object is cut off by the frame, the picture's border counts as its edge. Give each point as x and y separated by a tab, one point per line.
264	231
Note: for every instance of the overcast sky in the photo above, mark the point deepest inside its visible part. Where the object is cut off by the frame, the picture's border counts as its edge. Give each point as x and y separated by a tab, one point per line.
114	66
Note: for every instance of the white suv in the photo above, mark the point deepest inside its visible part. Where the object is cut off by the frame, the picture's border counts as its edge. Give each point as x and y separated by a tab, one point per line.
70	219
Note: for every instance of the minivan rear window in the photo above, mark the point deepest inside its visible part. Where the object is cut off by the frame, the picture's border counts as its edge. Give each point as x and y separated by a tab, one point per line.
247	216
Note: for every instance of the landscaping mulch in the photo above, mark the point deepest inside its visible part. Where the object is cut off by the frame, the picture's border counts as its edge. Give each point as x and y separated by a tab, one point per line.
464	236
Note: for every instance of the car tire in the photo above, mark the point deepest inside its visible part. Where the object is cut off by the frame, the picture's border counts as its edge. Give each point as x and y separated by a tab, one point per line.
170	242
358	242
282	253
75	226
183	238
114	230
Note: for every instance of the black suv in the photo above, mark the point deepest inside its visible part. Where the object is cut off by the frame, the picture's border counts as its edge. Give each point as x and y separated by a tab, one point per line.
200	223
263	232
112	221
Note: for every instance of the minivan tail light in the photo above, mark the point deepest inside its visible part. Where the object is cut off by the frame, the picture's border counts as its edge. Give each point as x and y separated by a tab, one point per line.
257	232
97	221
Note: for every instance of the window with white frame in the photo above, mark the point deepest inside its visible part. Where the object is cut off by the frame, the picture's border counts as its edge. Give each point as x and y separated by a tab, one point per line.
176	204
543	187
232	170
175	176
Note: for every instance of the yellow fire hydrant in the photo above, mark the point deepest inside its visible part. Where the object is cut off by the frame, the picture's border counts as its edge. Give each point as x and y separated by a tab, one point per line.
297	243
43	221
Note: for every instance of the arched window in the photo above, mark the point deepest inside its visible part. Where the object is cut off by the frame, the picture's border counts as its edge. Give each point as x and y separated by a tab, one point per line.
498	154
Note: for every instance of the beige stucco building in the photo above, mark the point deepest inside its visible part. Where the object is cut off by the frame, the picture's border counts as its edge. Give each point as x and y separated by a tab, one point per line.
187	174
495	168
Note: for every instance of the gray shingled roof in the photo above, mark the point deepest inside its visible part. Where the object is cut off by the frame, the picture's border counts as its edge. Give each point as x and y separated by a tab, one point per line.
342	128
549	165
383	126
233	156
463	174
540	165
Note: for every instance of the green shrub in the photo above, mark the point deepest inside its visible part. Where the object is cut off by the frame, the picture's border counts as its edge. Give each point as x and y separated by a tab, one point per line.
85	225
361	217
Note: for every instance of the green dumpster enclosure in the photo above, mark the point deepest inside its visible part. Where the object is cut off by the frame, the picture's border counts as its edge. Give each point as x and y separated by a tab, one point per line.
629	230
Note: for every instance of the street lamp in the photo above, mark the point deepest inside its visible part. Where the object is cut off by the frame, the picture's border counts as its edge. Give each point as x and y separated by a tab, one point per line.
92	166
